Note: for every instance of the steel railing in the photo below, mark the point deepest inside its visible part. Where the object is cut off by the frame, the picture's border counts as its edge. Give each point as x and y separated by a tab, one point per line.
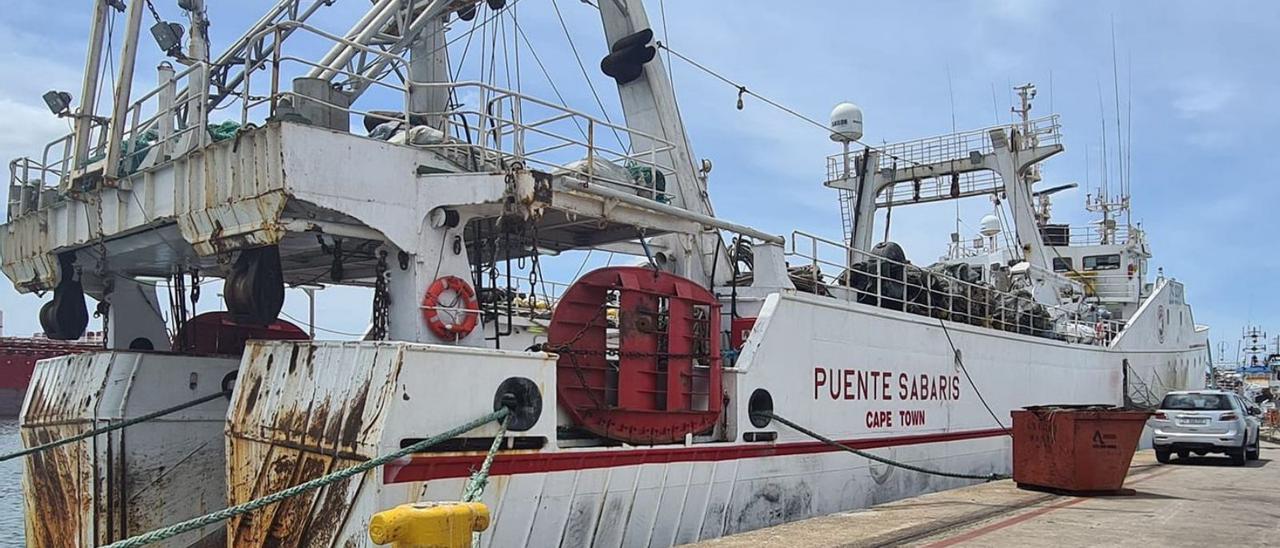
855	275
1091	235
503	127
954	147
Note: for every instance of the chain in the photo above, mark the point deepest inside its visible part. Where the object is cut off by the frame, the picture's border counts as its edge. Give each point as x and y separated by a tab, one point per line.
381	299
154	13
535	276
195	287
103	309
564	349
178	306
582	381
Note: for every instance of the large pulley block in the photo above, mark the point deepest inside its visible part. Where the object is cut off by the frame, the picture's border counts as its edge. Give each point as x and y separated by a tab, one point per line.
639	355
254	289
65	317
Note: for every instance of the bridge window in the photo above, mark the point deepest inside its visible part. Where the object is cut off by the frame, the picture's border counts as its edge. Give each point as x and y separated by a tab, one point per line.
1062	264
1102	262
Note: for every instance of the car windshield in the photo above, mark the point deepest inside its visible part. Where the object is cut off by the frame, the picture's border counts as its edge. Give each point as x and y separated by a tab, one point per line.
1197	402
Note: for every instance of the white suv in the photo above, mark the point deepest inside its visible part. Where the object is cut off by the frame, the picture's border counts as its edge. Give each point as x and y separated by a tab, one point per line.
1206	421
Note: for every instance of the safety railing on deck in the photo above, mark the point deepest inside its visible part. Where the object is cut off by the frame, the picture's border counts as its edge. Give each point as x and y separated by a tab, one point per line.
33	184
492	128
955	147
1088	235
166	122
831	268
519	295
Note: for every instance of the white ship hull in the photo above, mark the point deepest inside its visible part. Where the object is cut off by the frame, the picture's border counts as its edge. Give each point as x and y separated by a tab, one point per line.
852	372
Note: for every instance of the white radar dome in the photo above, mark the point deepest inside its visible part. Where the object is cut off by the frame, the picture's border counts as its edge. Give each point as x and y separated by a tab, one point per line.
989	225
846	123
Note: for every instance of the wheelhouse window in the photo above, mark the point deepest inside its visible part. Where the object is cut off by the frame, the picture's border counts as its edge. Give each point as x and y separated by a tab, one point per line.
1102	262
1062	264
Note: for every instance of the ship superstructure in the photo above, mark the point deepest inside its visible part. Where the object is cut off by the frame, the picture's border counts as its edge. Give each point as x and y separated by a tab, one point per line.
1253	369
645	391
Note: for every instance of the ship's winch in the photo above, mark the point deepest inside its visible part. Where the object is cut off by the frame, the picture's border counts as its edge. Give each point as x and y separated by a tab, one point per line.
639	355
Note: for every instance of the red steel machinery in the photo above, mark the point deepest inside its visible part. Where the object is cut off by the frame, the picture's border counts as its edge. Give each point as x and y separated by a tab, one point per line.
639	355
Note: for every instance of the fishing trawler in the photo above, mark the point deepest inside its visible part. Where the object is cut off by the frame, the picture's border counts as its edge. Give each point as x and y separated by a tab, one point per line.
1255	370
642	398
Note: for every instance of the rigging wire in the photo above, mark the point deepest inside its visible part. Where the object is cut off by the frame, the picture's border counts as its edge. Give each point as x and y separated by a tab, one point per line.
743	90
318	328
587	77
671	79
965	370
1115	83
582	266
546	74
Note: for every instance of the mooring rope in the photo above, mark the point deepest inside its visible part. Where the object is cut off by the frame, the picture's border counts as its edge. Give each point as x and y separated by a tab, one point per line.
877	458
480	479
116	426
208	519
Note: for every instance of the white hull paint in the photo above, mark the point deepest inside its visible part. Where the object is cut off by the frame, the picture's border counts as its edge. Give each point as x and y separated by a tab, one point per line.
667	504
815	355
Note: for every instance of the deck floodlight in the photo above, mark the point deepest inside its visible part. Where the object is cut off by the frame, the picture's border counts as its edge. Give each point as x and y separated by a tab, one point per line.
59	102
168	36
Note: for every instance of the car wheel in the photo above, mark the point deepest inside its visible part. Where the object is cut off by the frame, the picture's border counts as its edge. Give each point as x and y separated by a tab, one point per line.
1162	455
1240	455
1253	452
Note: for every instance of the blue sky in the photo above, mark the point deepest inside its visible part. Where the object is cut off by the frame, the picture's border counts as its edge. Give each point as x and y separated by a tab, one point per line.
1201	78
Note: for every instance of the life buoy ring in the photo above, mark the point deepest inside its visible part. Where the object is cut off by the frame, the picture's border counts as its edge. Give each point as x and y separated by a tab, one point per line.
466	303
1100	331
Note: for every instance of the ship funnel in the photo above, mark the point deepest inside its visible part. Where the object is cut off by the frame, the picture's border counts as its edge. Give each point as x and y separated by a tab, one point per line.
846	123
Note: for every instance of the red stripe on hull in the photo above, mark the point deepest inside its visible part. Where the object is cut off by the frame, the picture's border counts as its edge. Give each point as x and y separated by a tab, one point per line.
425	468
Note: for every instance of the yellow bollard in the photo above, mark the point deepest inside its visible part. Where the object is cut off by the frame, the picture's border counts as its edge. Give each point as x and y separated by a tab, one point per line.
429	524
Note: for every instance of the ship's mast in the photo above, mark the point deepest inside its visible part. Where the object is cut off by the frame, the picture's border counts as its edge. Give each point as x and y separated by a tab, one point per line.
649	105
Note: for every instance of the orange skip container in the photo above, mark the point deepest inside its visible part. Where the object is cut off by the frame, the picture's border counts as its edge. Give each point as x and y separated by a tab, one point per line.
1075	449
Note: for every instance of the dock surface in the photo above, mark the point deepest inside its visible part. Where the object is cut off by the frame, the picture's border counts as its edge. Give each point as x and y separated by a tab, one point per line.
1201	501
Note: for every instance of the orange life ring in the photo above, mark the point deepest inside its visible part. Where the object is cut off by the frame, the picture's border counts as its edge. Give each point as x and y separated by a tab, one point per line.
470	308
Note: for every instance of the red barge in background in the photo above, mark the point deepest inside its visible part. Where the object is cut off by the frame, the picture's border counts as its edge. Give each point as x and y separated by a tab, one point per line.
18	357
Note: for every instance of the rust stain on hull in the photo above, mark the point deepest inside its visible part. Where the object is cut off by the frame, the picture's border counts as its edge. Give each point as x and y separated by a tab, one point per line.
300	420
52	501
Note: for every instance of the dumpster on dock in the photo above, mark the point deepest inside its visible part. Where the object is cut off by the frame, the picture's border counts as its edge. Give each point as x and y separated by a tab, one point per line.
1075	449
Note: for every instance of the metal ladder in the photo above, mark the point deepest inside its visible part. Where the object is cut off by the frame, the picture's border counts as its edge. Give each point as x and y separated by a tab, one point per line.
846	216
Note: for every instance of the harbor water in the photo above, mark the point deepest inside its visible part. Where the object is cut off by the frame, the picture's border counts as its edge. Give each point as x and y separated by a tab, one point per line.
11	530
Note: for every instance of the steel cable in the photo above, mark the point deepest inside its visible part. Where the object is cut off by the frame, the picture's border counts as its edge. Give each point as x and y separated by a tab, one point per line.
116	426
244	508
877	458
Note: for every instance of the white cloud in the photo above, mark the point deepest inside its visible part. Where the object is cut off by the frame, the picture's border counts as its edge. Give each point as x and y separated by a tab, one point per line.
1202	97
25	128
1018	11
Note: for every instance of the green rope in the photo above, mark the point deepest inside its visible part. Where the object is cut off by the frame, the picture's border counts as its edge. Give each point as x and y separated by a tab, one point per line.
479	479
220	515
877	458
115	426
